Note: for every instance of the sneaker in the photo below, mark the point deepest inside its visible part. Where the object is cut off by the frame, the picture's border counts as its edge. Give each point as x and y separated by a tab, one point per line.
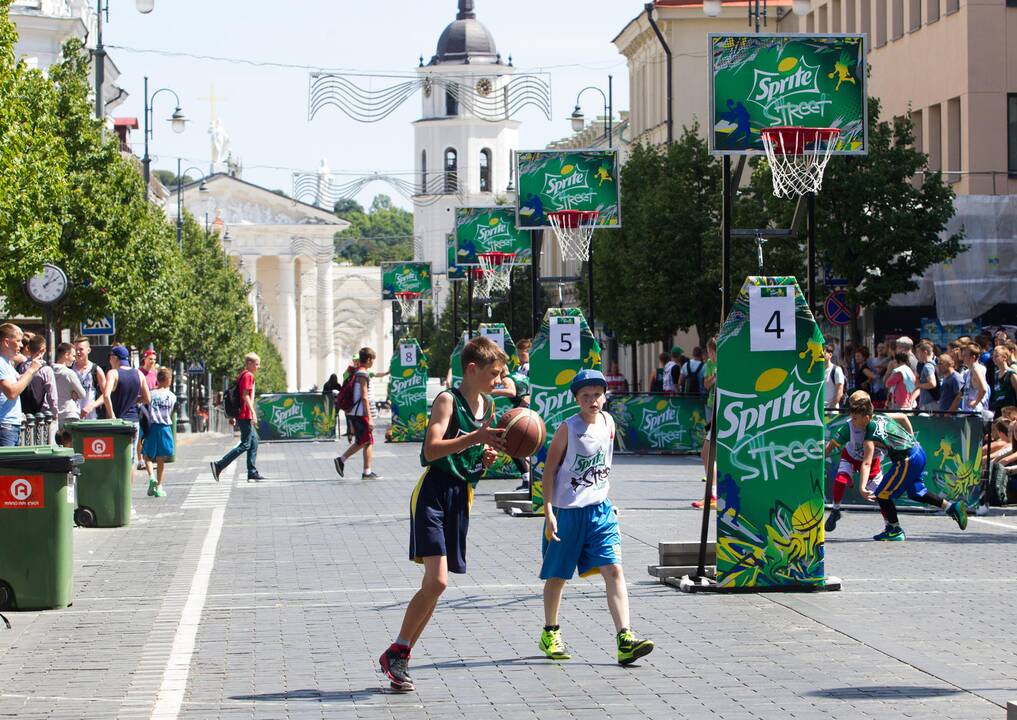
394	663
698	504
959	512
152	485
340	465
982	509
891	534
215	470
524	485
631	648
831	521
552	645
159	492
256	477
370	476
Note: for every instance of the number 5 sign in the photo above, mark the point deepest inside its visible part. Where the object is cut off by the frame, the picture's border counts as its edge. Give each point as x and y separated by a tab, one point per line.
565	338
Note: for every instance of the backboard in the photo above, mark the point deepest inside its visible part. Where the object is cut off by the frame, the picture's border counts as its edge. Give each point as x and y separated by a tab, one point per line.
768	80
489	229
567	180
454	271
405	277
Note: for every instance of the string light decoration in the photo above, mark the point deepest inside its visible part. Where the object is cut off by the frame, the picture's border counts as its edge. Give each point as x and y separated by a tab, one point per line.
326	189
486	101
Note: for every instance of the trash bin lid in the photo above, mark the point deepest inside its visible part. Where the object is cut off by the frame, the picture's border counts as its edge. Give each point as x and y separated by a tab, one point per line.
39	459
106	427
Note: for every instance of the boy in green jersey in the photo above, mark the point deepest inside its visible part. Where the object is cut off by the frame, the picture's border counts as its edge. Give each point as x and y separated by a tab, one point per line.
460	443
892	432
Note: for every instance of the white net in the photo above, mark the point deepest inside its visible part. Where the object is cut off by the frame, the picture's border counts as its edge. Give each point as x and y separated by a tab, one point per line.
407	304
494	273
574	229
798	157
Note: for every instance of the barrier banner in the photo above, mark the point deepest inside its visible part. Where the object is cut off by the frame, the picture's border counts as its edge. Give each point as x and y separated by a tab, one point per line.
295	416
953	447
407	392
655	424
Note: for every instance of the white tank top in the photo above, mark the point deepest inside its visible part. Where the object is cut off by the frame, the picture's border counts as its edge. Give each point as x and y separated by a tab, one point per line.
582	479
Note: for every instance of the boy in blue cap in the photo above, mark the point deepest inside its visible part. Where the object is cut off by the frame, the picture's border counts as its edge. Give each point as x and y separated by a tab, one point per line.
580	523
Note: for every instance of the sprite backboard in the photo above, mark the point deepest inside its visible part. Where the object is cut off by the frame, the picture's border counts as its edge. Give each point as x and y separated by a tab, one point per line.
489	229
405	277
770	439
567	180
453	271
768	80
564	345
407	392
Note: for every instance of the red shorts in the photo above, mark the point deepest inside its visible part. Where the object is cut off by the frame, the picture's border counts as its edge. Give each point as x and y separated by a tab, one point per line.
362	432
849	466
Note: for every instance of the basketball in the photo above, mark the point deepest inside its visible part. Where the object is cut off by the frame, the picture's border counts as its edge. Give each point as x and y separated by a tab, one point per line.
524	432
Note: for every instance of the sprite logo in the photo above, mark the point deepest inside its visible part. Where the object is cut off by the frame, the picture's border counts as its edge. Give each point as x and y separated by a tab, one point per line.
790	94
571	187
550	403
495	236
289	421
589	471
662	428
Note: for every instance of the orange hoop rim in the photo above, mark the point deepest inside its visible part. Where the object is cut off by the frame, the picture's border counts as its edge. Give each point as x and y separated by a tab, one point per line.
796	139
571	219
496	258
407	295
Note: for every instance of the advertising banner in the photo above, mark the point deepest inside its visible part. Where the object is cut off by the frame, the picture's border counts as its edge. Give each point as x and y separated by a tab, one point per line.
295	416
405	277
650	423
407	392
567	180
564	345
489	229
770	440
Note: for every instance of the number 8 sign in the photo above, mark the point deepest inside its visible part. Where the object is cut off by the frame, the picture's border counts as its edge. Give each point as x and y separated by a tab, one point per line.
772	318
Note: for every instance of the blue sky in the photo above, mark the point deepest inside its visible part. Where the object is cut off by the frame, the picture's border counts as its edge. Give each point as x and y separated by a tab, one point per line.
264	108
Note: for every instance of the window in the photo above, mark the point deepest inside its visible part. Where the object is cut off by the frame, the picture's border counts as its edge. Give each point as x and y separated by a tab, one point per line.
935	137
850	16
932	10
953	140
821	24
897	17
451	171
866	22
918	123
880	23
423	172
810	22
452	100
1011	132
914	15
952	6
485	170
835	16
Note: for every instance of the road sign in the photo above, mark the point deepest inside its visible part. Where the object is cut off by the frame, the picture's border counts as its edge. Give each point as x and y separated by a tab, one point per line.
97	328
835	282
196	368
836	308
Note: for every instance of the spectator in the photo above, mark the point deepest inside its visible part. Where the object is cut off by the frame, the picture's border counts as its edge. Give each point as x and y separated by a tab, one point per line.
246	421
523	351
928	385
850	366
863	375
901	387
691	376
159	440
41	394
950	383
878	365
149	371
616	382
1004	389
975	391
672	371
68	387
833	380
91	376
656	379
124	385
906	345
11	385
361	419
330	391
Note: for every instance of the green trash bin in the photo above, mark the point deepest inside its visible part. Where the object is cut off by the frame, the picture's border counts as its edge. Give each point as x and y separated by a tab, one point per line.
104	484
36	511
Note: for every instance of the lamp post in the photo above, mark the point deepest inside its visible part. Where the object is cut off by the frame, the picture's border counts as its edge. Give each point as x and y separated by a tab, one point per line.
102	6
203	187
177	121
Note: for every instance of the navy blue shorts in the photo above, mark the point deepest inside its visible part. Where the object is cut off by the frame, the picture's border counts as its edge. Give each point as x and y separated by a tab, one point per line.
440	519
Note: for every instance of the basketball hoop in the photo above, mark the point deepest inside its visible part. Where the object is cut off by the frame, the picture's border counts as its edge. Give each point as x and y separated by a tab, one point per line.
407	303
494	273
574	229
798	157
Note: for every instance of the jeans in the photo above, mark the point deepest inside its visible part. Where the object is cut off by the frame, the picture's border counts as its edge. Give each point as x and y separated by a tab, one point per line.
10	435
248	444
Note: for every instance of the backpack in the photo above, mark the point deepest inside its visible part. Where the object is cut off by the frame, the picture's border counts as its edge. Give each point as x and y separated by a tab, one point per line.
231	400
694	379
344	400
34	395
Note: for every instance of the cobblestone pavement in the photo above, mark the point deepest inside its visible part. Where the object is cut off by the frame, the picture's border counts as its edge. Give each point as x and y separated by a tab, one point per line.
274	599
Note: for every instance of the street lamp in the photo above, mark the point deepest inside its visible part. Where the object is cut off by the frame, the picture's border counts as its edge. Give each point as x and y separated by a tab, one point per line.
102	6
177	121
757	10
579	120
711	8
203	187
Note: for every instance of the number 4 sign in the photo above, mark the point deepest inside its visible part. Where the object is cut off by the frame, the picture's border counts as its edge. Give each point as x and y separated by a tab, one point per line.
565	338
772	324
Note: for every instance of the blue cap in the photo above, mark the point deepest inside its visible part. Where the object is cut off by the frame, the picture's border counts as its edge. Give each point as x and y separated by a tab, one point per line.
120	352
585	377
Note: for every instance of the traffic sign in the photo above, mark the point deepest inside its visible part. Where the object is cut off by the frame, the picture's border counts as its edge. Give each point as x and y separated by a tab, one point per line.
196	368
104	326
836	308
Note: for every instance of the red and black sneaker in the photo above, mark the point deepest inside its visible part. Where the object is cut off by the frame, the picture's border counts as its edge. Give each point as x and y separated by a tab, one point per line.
394	663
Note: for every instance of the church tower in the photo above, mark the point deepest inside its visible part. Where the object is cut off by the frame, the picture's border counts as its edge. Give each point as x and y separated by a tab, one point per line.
464	140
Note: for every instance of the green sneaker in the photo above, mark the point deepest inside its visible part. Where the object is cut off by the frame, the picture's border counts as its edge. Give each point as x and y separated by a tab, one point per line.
552	645
891	534
152	485
959	512
159	492
631	648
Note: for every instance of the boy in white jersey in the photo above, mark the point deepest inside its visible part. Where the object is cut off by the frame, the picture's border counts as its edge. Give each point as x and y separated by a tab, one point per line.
580	523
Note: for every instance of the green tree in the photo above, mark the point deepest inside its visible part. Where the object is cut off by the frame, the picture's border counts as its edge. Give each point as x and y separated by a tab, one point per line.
383	234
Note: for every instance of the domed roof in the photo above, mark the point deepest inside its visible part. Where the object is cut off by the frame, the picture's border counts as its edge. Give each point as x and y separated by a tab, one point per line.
466	40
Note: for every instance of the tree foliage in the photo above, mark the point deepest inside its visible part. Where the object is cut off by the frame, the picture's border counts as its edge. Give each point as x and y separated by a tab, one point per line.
382	234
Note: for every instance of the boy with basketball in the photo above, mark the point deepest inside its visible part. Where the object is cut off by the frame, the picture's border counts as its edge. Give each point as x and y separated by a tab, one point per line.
460	443
892	433
580	523
851	440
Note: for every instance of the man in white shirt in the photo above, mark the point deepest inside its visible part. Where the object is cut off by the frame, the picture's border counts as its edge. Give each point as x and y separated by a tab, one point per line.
68	387
833	382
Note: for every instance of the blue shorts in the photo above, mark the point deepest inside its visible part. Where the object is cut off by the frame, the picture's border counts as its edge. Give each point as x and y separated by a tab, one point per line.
589	539
158	442
904	476
440	519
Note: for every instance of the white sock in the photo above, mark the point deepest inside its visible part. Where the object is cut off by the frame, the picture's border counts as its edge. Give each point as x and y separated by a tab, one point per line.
367	471
836	506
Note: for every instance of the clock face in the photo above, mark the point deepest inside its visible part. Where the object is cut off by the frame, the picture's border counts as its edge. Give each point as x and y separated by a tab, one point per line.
49	286
484	87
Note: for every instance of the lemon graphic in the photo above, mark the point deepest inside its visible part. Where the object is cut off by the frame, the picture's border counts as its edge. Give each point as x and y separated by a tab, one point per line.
567	169
564	377
287	402
407	372
770	379
787	65
662	404
493	221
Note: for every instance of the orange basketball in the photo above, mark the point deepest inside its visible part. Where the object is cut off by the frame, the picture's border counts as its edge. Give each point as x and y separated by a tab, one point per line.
524	432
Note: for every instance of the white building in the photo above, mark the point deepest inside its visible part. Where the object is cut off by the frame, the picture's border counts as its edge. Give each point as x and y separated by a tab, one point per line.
464	140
